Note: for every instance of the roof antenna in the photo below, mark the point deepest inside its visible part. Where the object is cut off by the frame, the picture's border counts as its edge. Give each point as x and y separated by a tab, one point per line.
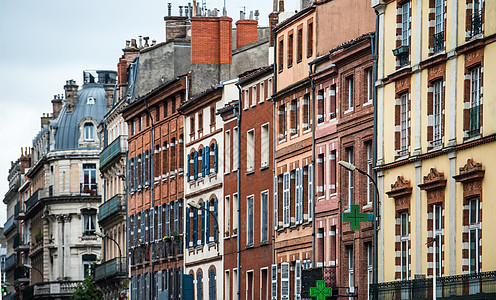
224	10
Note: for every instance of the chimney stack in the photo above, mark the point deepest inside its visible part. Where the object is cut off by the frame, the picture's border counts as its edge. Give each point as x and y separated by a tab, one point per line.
211	40
56	105
281	5
109	95
71	98
246	32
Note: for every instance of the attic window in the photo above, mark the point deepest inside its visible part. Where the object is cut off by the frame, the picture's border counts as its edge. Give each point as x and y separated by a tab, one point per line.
88	131
90	100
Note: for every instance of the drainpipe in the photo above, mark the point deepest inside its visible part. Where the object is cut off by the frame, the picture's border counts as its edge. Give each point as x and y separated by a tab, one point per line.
274	88
238	239
313	163
152	183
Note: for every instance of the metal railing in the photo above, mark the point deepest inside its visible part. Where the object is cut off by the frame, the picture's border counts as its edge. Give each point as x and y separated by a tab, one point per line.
118	146
476	24
50	289
111	268
39	194
470	286
108	208
11	261
439	42
9	225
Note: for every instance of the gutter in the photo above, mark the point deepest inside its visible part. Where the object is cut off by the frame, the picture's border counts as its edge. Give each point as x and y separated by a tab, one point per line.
311	64
238	239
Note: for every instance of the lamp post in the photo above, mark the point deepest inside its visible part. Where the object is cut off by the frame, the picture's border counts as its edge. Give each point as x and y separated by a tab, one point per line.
102	235
30	267
350	167
198	206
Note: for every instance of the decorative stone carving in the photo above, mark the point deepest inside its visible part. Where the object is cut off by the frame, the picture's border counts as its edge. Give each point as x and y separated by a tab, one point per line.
434	184
471	175
401	191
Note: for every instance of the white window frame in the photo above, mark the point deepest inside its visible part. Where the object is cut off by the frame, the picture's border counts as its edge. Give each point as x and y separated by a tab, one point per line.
235	149
250	220
264	146
404	123
274	277
297	278
474	227
264	216
351	270
437	212
404	242
405	24
286	219
227	214
227	151
89	131
370	85
250	150
370	170
439	17
351	95
437	110
285	285
351	187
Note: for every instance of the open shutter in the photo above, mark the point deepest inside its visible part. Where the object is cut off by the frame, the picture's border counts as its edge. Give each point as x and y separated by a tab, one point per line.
130	175
275	218
148	285
285	281
310	192
297	196
274	282
298	280
215	223
207	223
300	216
203	224
195	227
176	216
216	157
286	199
148	168
167	219
136	227
189	168
187	226
203	161
152	224
207	161
142	233
136	163
196	164
160	233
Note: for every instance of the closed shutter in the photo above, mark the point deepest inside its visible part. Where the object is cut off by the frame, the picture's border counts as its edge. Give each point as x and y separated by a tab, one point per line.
142	233
187	227
274	282
195	227
297	196
199	286
130	232
160	233
203	224
152	224
285	280
136	164
130	175
142	287
133	288
136	228
148	285
310	191
148	168
216	158
189	168
286	201
211	284
167	219
207	161
298	280
207	222
202	158
177	205
275	218
196	165
300	192
216	218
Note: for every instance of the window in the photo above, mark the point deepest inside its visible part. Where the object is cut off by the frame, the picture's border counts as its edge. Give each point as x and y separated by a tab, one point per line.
404	124
370	170
235	209
370	263
227	285
235	149
264	218
199	286
132	127
405	23
320	174
439	26
227	152
294	117
285	288
351	178
333	168
140	123
299	50
476	18
282	122
89	221
250	150
249	221
200	123
310	39
404	240
370	85
88	264
438	231
350	90
246	96
320	106
290	49
89	179
286	203
307	117
299	196
475	101
211	284
89	134
227	215
269	87
351	267
437	111
173	159
281	55
332	96
261	97
173	105
192	126
254	95
297	278
212	116
212	155
264	146
474	235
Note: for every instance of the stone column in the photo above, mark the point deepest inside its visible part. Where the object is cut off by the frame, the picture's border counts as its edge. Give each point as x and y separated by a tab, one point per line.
60	249
67	246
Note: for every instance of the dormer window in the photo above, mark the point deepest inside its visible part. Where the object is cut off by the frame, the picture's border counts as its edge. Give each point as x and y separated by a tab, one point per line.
89	131
90	100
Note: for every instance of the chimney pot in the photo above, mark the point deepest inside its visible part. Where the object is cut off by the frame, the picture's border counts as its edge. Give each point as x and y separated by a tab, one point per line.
146	41
154	42
180	11
169	9
133	43
140	41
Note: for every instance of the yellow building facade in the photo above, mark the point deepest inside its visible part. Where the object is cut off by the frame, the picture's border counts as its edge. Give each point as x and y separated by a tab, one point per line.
436	138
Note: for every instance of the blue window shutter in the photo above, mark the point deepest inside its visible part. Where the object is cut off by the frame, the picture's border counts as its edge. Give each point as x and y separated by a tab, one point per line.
199	283
207	161
160	234
135	223
189	168
135	181
216	165
203	224
129	175
215	224
211	284
195	227
196	164
204	165
207	223
187	227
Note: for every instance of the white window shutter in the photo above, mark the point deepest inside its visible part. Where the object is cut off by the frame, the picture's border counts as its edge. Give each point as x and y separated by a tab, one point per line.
298	280
276	204
284	281
310	192
274	282
300	216
297	196
286	199
159	223
159	282
152	224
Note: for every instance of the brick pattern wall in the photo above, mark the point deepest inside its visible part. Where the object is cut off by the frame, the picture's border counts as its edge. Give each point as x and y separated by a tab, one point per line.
246	32
211	40
473	59
435	74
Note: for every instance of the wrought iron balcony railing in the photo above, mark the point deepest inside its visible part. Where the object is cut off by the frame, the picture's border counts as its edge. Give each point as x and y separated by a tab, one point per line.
9	225
117	147
111	268
439	42
39	194
108	208
11	261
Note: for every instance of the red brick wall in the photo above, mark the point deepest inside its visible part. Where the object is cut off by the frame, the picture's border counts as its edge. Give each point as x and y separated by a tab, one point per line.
246	32
211	40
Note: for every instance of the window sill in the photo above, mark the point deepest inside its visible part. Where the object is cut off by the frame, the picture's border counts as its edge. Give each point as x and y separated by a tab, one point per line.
298	61
294	136
261	101
264	243
473	138
249	172
290	66
264	167
367	206
307	131
282	141
253	105
349	110
250	246
245	108
367	103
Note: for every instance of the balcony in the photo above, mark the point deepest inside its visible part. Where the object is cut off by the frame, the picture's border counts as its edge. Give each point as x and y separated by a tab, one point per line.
439	42
11	261
35	198
467	286
19	244
118	146
402	53
114	205
476	24
50	290
111	268
9	225
21	274
19	212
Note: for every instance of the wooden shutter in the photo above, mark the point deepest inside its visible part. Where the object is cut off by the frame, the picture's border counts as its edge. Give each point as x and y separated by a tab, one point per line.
300	216
160	234
189	168
286	202
297	196
187	226
207	217
159	283
176	215
275	217
136	228
215	223
211	284
207	160
216	157
203	224
196	164
202	157
152	224
310	191
285	281
298	280
274	282
167	219
195	227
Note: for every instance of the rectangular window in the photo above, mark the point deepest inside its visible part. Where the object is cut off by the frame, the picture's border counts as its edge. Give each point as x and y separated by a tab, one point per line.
310	39
439	26
250	151
89	221
474	233
299	50
320	174
405	23
140	123
264	148
264	218
404	124
437	111
293	109
404	239
235	148
227	285
212	116
290	49
282	122
200	123
333	165
254	95
235	209
285	288
269	87
89	179
227	215
286	217
307	117
281	55
438	231
192	126
261	97
370	85
249	221
246	98
475	101
370	170
227	152
370	263
332	100
351	268
274	275
249	285
350	89
351	178
320	106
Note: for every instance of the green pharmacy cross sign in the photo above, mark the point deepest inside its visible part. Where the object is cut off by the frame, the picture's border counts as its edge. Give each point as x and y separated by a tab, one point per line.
355	217
321	291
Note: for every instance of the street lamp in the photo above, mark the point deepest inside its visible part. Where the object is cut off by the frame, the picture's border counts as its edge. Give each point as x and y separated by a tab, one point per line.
102	235
198	206
351	167
30	267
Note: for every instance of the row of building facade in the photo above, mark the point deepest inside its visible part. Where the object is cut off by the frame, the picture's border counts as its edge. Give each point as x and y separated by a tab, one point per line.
207	167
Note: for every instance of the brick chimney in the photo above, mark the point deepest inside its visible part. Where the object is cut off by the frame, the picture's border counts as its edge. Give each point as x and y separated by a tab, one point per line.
71	89
109	95
246	32
211	40
175	27
25	160
56	105
273	20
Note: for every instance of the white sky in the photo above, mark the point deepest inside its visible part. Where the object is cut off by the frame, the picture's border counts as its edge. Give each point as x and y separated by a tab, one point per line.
44	43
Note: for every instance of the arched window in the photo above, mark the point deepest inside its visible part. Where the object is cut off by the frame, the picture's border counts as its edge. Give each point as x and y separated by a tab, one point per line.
199	286
89	131
211	284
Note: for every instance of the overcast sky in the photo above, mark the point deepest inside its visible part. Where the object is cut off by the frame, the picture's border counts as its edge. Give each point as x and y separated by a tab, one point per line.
44	43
